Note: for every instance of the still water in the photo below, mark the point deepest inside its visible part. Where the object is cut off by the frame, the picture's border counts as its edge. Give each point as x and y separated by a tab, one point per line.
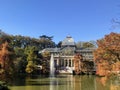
65	82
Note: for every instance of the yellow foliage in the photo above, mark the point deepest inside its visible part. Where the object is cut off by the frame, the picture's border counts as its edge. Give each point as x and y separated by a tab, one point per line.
29	70
46	54
30	67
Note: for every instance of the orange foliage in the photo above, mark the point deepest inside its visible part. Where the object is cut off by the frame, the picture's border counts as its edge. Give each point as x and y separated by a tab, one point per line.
3	53
6	56
107	53
77	62
103	80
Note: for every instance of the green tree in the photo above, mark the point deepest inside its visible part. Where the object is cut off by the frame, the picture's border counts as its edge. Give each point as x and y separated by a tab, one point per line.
31	58
59	44
4	37
46	42
45	62
20	61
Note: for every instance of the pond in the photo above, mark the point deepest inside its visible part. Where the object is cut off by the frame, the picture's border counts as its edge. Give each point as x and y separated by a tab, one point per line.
64	82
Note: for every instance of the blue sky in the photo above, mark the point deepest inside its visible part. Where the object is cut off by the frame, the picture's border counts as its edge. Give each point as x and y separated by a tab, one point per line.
84	20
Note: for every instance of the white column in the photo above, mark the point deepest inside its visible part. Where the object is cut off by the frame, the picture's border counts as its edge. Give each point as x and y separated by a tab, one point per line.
57	62
68	62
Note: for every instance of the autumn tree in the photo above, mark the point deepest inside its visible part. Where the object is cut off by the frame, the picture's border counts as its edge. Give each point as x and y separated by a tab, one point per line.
107	55
77	63
6	60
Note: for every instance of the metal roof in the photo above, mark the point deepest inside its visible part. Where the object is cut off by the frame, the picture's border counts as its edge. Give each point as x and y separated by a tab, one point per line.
51	50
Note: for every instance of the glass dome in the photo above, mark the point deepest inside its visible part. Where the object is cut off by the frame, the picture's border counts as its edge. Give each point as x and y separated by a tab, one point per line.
68	41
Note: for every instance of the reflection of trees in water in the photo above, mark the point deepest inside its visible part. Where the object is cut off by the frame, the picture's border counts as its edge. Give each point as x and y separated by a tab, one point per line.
106	83
115	83
102	83
67	82
87	83
95	83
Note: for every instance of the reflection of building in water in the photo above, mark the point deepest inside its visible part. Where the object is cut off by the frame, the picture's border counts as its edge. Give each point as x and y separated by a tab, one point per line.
77	83
88	83
64	56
